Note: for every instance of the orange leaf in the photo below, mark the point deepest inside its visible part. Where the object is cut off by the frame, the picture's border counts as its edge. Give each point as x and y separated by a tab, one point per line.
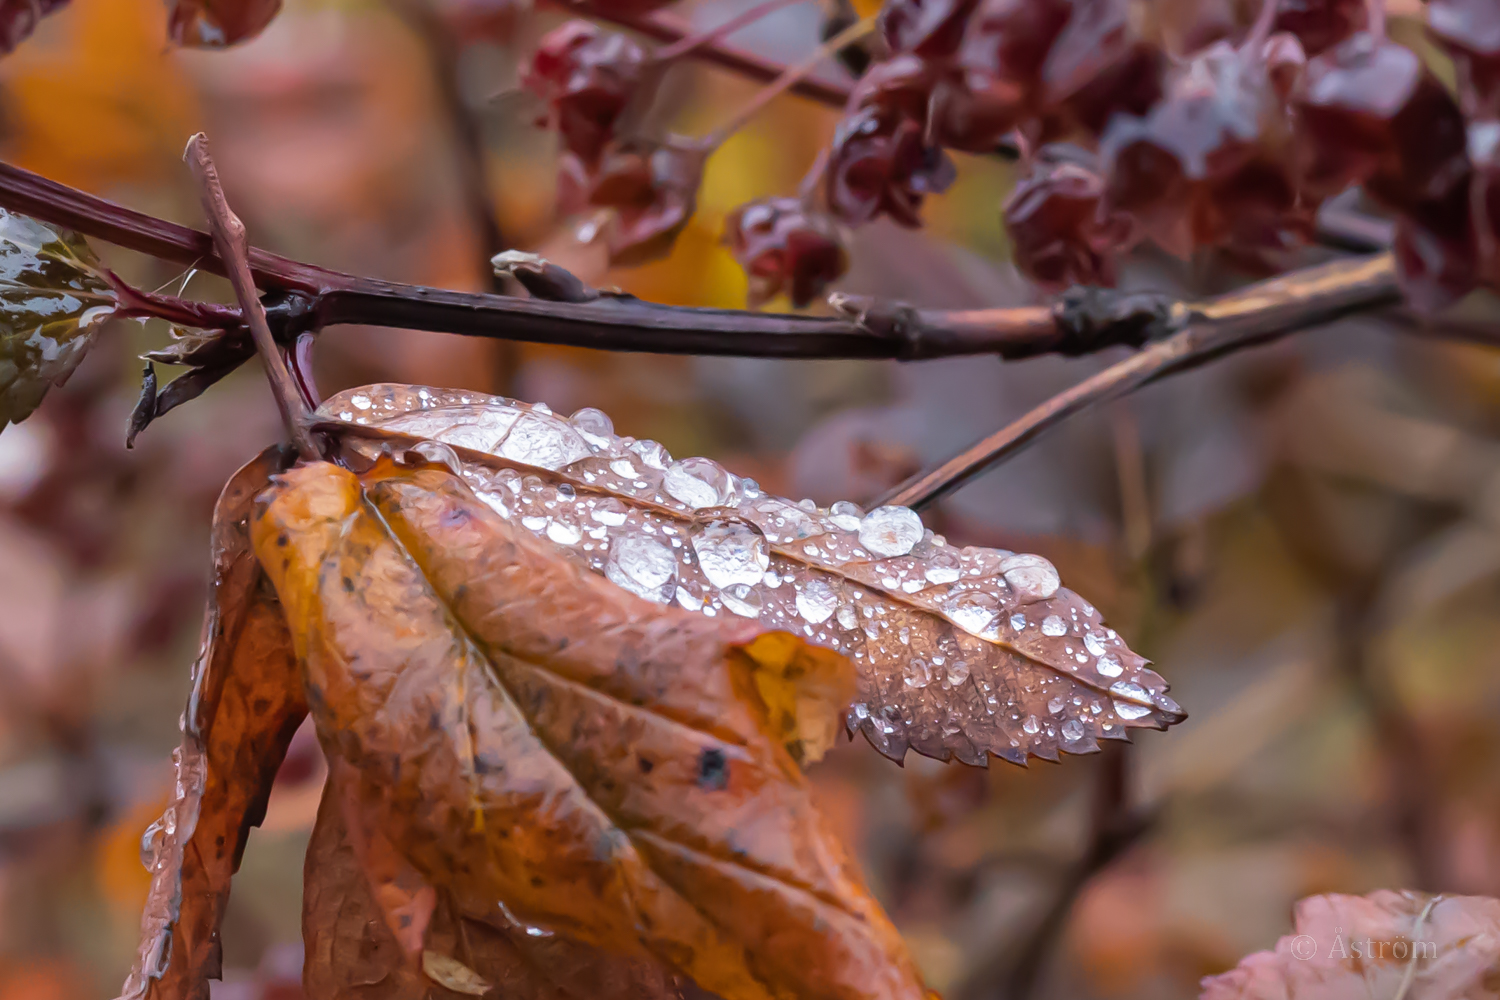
528	733
246	703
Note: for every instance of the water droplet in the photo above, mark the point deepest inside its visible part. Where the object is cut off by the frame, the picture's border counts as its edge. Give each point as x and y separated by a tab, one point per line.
847	616
610	511
360	401
943	567
622	468
1126	689
595	426
688	600
861	711
972	610
816	601
958	672
1031	725
916	674
731	552
438	454
543	441
1053	625
642	566
1056	705
1072	730
1126	710
697	482
1032	577
846	515
533	523
743	599
564	533
494	501
652	453
1109	666
1018	622
1092	644
890	531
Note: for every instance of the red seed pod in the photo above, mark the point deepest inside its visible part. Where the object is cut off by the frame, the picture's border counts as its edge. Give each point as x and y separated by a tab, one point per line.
1060	231
957	108
653	188
1009	40
929	28
785	248
1098	67
1212	164
1437	251
1484	152
881	162
1369	112
1470	31
586	76
1321	24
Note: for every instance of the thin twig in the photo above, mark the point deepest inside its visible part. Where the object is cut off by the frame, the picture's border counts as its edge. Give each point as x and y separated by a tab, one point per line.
229	239
719	32
1249	317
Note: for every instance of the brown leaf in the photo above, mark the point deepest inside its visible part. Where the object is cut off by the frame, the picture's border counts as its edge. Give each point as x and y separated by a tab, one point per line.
213	24
960	652
528	733
353	955
1400	945
245	704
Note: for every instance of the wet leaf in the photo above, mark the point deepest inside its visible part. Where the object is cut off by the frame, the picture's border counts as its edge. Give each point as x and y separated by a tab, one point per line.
1387	944
213	24
54	296
527	733
245	704
960	652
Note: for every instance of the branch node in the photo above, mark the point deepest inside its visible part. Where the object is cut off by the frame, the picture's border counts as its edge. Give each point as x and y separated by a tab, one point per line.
888	320
1091	319
542	278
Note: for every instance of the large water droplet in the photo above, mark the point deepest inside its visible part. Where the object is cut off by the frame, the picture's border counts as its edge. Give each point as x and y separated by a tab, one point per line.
1109	666
1056	705
697	482
1126	710
890	531
942	567
595	426
731	552
564	532
642	566
816	600
847	616
846	515
543	441
610	511
624	469
743	599
1032	577
652	453
958	672
1072	730
916	673
1092	643
972	610
1127	689
1053	625
1031	725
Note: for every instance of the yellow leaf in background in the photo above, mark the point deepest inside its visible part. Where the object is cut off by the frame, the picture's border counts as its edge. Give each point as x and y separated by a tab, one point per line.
96	98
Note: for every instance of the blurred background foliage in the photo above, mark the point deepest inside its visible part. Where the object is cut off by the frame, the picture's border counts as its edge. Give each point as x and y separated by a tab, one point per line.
1306	539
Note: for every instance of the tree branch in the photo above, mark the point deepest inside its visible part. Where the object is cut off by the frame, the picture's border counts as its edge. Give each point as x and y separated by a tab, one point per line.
229	239
317	297
1254	315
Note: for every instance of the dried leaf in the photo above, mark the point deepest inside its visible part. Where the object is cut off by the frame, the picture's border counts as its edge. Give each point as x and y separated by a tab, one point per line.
351	953
1402	945
213	24
528	733
245	704
960	652
54	296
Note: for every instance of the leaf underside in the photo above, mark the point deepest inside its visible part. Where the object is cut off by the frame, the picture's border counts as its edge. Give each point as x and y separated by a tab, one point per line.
960	652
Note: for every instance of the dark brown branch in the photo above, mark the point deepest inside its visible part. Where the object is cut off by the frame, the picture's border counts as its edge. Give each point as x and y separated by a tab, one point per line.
1254	315
320	297
229	238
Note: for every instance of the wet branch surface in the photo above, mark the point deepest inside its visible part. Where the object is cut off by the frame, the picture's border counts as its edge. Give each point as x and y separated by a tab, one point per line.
1254	315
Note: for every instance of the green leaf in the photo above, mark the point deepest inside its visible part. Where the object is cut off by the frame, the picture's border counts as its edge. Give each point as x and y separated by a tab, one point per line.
54	296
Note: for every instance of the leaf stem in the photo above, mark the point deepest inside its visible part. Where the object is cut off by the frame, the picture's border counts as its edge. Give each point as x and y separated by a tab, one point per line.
229	239
686	45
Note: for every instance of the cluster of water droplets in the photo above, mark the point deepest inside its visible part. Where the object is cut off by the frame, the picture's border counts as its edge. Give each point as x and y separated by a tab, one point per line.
960	651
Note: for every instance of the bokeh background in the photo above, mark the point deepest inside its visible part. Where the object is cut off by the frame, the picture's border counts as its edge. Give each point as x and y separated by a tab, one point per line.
1306	539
